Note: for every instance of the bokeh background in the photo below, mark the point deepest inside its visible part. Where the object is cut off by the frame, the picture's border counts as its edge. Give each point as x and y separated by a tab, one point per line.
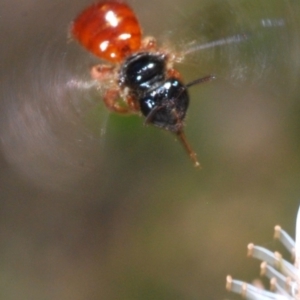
97	206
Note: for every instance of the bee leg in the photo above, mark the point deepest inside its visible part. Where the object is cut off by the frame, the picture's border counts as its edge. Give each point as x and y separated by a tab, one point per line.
112	101
102	73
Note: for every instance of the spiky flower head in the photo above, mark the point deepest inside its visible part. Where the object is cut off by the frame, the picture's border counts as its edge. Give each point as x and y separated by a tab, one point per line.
284	276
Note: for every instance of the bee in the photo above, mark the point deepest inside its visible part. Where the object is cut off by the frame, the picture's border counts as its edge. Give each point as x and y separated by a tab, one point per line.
140	77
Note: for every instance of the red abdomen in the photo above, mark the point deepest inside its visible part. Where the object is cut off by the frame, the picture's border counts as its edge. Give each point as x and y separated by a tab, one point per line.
110	30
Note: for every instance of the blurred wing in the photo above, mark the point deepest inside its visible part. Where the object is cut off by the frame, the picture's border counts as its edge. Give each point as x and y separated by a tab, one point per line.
236	41
53	118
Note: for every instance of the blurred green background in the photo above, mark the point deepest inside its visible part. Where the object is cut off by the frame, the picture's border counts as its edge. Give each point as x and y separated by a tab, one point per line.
97	206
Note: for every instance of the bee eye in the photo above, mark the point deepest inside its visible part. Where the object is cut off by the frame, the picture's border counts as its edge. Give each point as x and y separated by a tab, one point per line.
166	104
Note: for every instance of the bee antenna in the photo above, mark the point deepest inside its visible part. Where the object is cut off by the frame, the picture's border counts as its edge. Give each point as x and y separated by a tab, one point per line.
181	136
151	114
201	80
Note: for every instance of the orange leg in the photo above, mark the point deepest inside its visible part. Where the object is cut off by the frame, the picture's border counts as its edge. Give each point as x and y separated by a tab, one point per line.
111	99
106	75
133	104
149	43
174	74
102	72
114	103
